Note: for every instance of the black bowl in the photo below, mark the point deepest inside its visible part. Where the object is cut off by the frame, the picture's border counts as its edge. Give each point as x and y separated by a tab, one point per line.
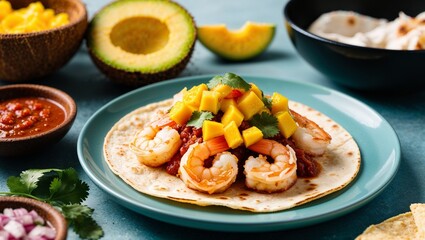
353	66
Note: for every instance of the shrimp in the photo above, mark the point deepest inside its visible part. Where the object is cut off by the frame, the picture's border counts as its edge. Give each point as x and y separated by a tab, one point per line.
155	146
309	136
214	179
268	177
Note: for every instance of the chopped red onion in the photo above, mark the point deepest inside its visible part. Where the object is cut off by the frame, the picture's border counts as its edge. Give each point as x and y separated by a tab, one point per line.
21	224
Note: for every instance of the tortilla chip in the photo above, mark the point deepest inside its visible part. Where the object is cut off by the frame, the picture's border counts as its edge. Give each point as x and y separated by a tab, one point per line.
396	228
340	165
418	211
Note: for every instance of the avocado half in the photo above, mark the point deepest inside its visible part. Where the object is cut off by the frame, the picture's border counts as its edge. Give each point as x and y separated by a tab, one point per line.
242	44
137	42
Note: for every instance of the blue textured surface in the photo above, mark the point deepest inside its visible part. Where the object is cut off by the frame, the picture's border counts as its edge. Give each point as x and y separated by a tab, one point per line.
405	111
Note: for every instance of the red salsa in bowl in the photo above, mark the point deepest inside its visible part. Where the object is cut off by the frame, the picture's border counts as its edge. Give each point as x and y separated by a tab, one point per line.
25	116
33	118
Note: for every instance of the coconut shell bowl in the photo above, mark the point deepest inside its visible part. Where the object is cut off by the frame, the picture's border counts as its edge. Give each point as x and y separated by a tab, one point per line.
54	218
33	55
57	107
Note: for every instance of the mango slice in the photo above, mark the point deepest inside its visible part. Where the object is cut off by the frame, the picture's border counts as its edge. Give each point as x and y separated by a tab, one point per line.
237	45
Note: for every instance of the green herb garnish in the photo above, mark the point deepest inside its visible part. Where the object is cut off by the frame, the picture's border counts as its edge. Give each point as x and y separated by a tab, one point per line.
62	189
229	79
267	102
266	122
198	118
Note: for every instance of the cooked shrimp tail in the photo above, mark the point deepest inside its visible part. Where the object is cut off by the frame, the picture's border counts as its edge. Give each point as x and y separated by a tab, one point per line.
268	177
154	146
309	136
214	179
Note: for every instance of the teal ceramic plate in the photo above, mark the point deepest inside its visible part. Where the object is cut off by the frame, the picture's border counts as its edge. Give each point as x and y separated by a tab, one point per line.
379	146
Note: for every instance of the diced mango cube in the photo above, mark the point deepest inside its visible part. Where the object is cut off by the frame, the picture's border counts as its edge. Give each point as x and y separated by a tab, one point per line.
60	20
211	129
180	113
223	89
251	136
210	101
279	103
250	104
11	21
232	135
256	90
35	7
48	15
5	9
232	114
225	103
286	124
194	95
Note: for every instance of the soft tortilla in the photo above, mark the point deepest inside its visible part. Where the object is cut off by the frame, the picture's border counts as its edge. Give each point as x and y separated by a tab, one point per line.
340	165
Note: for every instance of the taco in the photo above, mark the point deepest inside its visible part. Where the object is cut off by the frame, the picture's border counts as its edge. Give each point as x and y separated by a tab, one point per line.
274	167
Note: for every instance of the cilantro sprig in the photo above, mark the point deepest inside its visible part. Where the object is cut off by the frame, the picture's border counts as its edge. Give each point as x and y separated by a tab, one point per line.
266	122
229	79
198	118
62	189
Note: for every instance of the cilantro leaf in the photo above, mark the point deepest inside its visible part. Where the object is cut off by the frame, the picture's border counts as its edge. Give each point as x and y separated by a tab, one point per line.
235	81
87	228
30	178
71	190
15	185
267	102
198	118
55	185
229	79
80	217
73	211
266	122
214	82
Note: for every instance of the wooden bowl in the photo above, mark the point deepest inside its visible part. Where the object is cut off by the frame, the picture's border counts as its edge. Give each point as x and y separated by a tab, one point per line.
18	146
28	56
45	211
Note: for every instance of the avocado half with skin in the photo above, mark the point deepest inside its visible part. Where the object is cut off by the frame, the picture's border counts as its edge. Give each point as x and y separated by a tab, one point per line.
237	45
137	42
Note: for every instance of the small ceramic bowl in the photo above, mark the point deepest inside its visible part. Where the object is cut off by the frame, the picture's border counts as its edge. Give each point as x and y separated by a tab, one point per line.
356	67
44	210
28	56
18	146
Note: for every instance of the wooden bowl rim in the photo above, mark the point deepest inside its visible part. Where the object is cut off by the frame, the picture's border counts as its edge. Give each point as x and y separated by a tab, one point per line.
32	204
70	115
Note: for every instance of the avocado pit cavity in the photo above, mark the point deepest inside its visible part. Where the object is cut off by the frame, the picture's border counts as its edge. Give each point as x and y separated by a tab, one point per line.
140	35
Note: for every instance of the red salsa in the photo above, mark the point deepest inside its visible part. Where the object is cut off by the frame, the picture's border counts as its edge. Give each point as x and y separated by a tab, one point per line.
21	117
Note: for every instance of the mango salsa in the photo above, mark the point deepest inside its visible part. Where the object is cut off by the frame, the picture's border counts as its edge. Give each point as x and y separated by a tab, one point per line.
211	129
223	90
279	103
232	135
251	136
193	96
30	19
210	102
256	90
250	104
180	113
287	125
225	103
232	114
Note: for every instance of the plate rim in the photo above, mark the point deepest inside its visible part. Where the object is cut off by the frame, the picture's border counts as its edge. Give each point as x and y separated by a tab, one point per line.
210	224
